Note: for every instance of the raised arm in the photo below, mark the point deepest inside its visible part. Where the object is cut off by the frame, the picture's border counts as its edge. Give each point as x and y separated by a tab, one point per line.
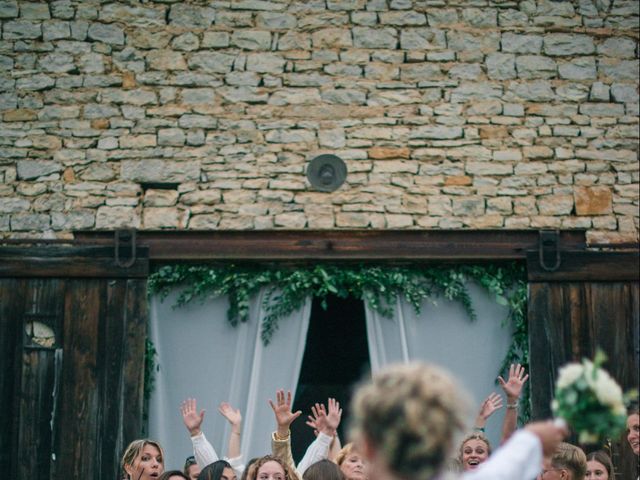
281	438
325	422
490	405
202	449
234	417
512	389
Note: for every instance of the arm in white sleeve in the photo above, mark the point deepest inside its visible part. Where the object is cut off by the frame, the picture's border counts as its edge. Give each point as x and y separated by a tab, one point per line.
318	450
203	450
237	464
520	458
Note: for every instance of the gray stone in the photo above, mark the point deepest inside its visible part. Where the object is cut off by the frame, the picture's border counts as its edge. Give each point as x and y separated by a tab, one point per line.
251	39
297	96
243	94
197	121
234	20
107	33
535	66
8	9
410	18
133	16
602	109
191	16
480	17
36	82
422	39
276	21
573	92
583	68
331	38
515	43
94	110
20	30
344	96
186	42
8	101
364	37
345	4
599	92
621	23
196	96
619	70
294	41
13	205
73	220
57	63
55	30
333	138
466	71
265	63
465	42
306	80
143	38
159	171
212	62
501	66
249	79
53	112
79	30
30	169
568	44
165	60
34	11
436	132
536	91
420	71
6	63
130	97
624	93
442	16
98	172
257	5
91	81
290	136
620	47
343	70
91	63
475	91
117	217
171	137
108	143
23	222
216	40
513	18
365	19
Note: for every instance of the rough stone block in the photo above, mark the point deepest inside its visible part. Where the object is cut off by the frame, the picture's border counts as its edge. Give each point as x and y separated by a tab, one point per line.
184	15
108	218
535	66
364	37
107	33
596	200
30	222
555	204
501	66
166	60
159	171
620	47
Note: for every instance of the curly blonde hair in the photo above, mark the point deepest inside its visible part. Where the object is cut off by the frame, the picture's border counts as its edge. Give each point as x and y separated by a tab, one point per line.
474	436
411	414
289	473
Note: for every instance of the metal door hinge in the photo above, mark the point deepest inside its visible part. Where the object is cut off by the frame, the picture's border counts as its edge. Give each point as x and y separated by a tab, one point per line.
549	248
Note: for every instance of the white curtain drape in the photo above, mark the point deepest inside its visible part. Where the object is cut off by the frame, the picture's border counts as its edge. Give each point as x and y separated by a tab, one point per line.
202	356
443	334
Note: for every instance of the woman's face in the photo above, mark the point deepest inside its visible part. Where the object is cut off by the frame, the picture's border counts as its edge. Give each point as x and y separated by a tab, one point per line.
270	471
596	471
633	432
193	471
228	474
474	452
148	465
353	467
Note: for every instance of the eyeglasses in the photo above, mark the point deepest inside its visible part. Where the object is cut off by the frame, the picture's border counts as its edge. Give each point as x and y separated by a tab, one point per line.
545	470
190	460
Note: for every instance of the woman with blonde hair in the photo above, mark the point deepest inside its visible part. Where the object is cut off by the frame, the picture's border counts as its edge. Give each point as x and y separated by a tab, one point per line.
351	463
406	420
143	460
271	468
568	462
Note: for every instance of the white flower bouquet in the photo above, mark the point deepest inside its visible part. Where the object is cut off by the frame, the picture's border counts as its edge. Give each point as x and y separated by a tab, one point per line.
590	401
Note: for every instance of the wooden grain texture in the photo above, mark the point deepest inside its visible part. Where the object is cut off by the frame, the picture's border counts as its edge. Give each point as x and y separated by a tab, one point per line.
352	245
587	266
571	320
69	262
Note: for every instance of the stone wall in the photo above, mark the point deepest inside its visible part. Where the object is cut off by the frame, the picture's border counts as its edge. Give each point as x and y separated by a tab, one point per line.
204	114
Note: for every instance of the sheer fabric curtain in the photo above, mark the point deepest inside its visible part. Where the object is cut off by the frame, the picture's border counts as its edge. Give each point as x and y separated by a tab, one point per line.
202	356
443	334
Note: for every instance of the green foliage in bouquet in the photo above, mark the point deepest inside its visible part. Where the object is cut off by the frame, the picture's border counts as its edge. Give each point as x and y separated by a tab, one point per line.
590	401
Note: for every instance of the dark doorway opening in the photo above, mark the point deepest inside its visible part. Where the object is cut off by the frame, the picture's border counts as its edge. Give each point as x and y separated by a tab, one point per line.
336	358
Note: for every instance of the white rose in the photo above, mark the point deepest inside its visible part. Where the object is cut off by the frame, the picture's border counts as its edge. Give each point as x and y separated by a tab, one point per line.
569	374
607	390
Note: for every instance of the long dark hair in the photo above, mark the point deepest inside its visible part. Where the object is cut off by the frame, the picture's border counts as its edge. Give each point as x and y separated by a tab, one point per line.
214	470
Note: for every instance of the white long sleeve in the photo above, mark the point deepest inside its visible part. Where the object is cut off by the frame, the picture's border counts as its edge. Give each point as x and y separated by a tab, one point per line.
203	450
205	454
317	450
520	458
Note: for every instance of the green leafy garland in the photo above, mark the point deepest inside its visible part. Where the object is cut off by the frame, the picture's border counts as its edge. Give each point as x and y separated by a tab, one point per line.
378	285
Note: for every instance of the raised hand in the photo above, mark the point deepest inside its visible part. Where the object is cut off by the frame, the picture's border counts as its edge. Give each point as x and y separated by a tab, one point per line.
283	413
190	416
323	421
492	403
232	415
334	414
513	386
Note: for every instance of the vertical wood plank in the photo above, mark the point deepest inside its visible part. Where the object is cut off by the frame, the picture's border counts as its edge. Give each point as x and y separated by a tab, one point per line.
11	297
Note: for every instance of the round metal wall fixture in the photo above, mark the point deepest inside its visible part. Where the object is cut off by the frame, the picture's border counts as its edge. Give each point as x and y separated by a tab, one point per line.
326	172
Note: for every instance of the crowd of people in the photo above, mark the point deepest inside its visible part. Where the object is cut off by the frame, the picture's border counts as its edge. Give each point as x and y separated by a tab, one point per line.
405	425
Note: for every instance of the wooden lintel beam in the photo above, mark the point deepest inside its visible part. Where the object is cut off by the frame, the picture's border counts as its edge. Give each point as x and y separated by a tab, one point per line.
343	245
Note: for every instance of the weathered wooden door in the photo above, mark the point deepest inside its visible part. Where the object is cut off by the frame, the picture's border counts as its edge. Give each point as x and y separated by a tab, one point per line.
72	339
590	302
